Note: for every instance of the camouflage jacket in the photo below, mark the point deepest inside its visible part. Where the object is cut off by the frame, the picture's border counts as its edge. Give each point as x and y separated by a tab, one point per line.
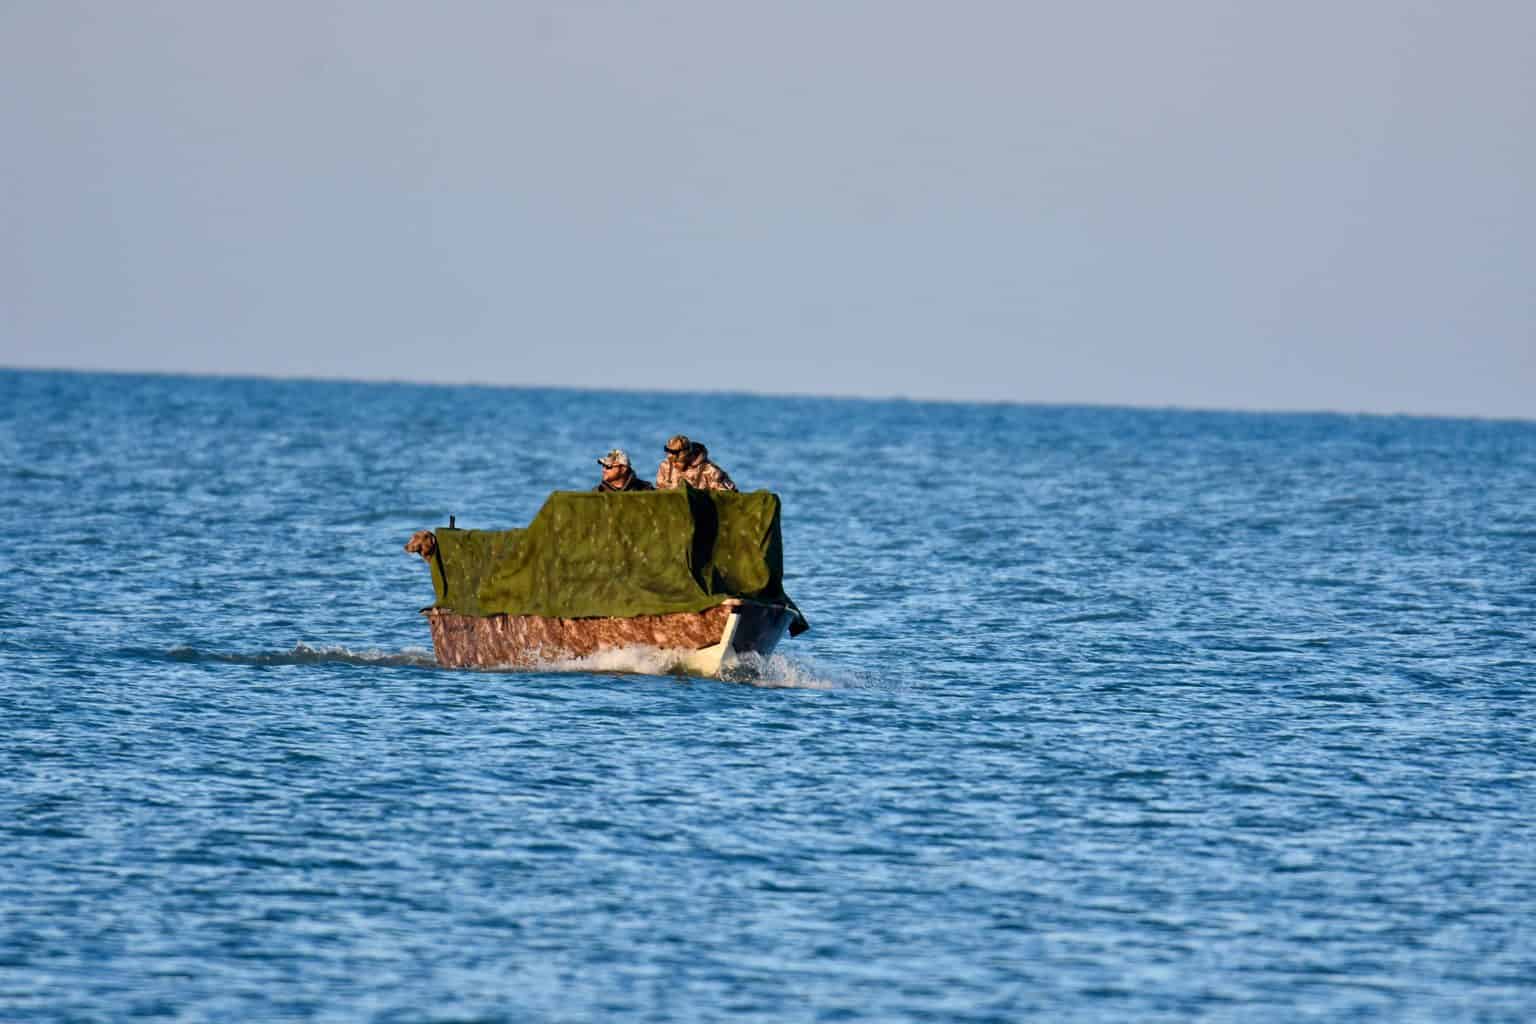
703	474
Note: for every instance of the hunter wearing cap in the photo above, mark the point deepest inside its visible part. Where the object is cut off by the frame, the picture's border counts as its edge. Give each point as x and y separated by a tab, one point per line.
617	474
687	462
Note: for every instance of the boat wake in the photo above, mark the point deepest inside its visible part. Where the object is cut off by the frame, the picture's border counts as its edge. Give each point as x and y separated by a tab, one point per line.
773	672
303	654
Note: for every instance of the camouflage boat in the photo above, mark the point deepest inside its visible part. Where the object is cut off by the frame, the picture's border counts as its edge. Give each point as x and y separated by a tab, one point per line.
692	579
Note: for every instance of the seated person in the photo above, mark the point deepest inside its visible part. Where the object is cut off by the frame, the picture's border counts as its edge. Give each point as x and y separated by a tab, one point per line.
688	462
617	474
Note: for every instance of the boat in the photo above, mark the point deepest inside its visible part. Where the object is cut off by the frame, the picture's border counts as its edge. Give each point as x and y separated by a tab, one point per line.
692	580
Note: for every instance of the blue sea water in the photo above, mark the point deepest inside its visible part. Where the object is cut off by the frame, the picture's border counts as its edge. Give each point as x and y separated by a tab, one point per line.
1105	715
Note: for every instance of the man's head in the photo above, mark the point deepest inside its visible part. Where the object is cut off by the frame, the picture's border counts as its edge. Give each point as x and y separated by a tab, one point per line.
679	449
615	465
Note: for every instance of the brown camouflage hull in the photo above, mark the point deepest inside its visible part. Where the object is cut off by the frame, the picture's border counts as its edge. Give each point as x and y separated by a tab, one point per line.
705	642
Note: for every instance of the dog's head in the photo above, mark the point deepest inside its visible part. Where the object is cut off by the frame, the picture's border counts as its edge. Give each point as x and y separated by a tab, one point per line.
423	543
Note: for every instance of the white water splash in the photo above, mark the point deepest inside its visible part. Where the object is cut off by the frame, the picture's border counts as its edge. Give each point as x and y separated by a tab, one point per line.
776	671
780	672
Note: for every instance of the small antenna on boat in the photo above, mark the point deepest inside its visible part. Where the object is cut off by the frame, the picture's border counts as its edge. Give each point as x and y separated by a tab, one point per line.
450	523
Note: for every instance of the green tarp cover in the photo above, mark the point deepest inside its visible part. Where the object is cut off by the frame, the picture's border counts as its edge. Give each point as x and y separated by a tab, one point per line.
591	554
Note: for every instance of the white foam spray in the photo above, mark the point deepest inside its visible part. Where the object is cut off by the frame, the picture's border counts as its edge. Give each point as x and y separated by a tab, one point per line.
773	672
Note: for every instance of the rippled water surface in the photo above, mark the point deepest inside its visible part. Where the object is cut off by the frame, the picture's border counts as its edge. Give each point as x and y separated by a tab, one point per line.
1104	715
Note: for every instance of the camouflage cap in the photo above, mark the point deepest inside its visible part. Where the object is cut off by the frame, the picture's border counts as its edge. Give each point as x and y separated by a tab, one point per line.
678	442
616	457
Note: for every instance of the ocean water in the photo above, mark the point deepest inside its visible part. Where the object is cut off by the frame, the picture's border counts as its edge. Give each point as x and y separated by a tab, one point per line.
1104	715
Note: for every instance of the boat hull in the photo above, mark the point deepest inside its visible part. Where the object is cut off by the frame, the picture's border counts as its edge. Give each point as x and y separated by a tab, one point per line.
708	643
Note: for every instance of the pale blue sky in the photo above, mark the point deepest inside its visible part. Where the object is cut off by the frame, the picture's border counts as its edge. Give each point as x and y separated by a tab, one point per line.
1211	204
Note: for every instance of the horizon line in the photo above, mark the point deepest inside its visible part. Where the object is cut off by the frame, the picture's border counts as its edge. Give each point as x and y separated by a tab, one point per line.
821	396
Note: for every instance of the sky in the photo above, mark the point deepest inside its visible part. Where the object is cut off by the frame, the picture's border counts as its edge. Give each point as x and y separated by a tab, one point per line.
1191	203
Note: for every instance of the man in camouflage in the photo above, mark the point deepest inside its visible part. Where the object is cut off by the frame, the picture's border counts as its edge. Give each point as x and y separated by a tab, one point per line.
687	462
618	475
